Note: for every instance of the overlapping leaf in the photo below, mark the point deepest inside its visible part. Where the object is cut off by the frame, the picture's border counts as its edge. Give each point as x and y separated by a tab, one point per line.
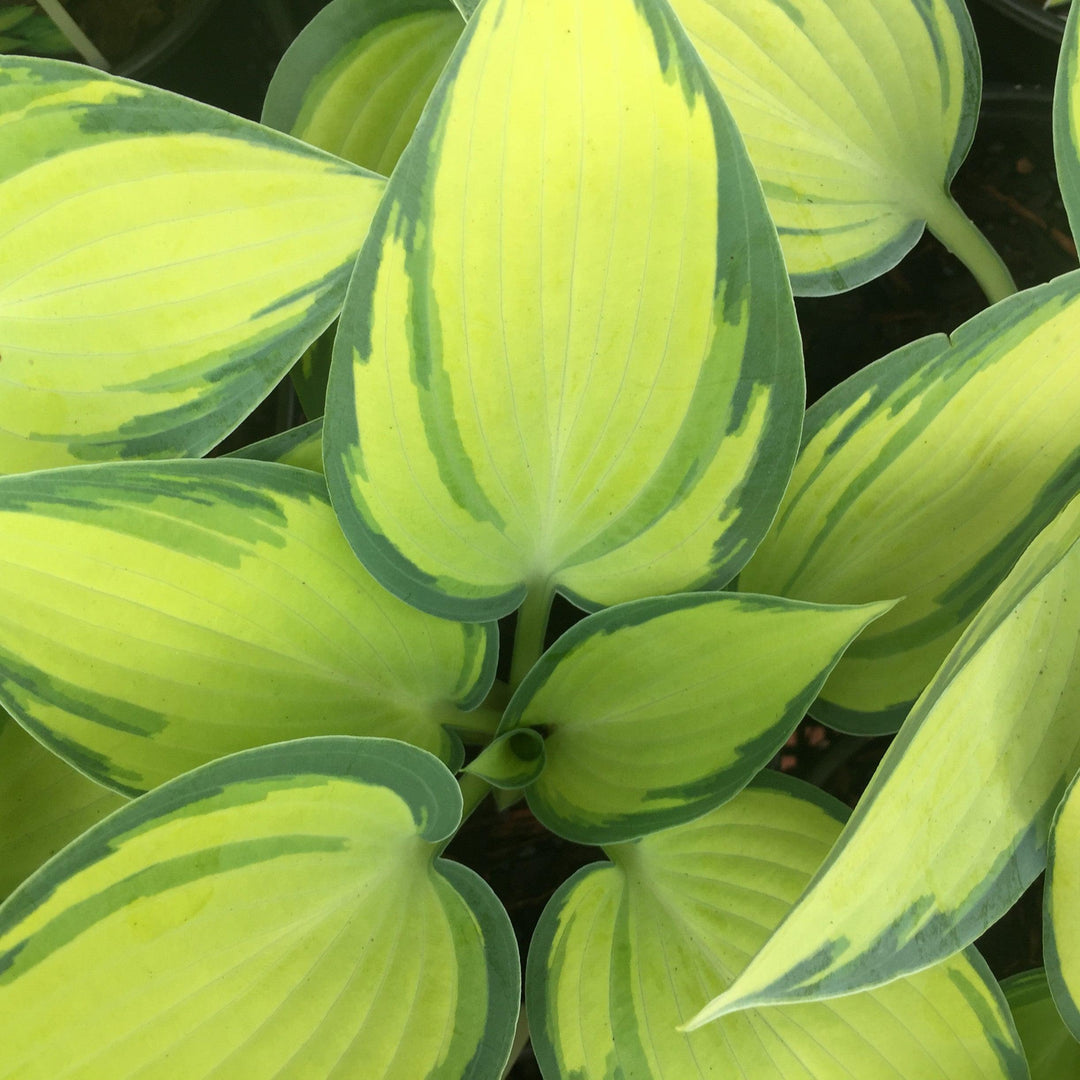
1061	930
925	476
158	615
568	357
1052	1053
624	953
44	804
356	79
299	446
162	264
953	827
856	116
277	913
1067	119
656	711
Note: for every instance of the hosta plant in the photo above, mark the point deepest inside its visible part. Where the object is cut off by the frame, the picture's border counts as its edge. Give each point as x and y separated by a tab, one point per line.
253	697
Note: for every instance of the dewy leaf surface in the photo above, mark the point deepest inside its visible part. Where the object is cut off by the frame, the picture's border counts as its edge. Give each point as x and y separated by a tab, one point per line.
277	914
1067	120
953	827
568	356
856	114
357	77
162	264
655	711
1061	899
155	616
925	476
624	952
1052	1053
44	804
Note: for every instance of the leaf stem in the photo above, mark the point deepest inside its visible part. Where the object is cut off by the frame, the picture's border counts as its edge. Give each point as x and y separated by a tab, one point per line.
962	237
73	32
529	631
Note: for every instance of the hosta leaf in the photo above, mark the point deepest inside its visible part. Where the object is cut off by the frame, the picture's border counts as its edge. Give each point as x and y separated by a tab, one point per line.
357	77
1067	119
1052	1053
953	827
158	615
44	804
1061	930
624	952
656	711
925	476
300	446
568	357
856	115
280	913
512	760
162	264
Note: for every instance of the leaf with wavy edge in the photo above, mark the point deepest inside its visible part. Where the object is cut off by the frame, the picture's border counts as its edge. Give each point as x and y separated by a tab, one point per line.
159	615
925	476
953	827
579	348
280	912
625	950
656	711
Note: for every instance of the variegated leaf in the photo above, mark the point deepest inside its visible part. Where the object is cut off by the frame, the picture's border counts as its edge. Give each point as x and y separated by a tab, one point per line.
158	615
925	476
953	827
569	329
162	264
357	77
1061	929
1052	1053
300	446
624	952
279	913
44	804
656	711
1067	119
856	114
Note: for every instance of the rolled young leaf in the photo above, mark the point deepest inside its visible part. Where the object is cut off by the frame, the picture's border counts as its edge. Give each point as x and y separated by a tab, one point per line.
925	476
857	116
159	615
1067	120
1051	1052
277	913
357	76
44	804
953	827
655	711
568	356
162	264
624	951
1061	900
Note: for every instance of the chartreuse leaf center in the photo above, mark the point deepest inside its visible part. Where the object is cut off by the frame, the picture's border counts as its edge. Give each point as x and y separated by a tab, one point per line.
568	358
276	913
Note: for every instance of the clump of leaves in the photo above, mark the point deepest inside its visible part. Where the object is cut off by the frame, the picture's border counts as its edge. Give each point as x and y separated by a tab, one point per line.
566	362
